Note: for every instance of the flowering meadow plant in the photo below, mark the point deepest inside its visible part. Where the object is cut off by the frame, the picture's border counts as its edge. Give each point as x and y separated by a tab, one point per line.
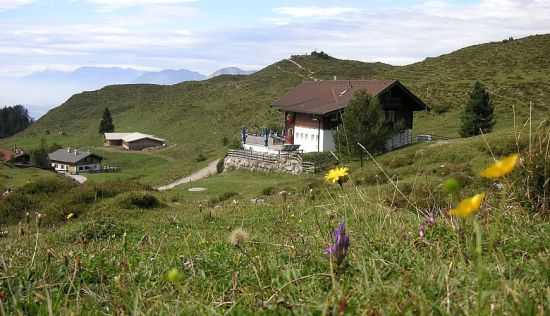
339	250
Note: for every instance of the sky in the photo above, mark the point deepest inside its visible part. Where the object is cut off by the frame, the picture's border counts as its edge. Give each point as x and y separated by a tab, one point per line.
205	35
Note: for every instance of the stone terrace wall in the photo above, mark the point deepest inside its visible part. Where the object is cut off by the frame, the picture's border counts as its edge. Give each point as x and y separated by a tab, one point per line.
263	162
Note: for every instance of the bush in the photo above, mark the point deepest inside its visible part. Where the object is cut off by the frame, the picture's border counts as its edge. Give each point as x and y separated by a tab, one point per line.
220	165
100	229
46	186
399	161
235	144
220	198
225	141
441	108
144	200
320	54
268	191
201	157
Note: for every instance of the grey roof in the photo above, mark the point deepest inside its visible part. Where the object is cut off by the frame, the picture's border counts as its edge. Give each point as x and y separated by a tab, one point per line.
130	137
70	155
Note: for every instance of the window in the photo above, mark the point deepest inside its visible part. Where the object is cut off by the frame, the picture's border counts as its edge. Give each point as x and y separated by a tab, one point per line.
390	116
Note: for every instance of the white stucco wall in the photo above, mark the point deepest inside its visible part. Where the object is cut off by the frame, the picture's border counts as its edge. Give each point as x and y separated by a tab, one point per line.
307	138
60	167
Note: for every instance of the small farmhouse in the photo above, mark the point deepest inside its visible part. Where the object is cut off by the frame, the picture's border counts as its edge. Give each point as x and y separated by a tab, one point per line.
15	155
312	110
75	161
133	141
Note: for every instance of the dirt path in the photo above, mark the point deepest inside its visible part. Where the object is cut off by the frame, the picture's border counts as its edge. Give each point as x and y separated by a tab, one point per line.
310	75
77	177
203	173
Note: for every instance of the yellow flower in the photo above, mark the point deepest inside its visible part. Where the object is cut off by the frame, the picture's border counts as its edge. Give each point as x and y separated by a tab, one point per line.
174	275
336	174
500	168
468	206
70	215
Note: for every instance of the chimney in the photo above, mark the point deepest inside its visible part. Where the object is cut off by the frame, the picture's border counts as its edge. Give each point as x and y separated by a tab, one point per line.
76	152
334	78
69	150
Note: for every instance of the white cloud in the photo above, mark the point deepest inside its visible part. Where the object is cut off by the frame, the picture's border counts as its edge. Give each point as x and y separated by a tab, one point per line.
13	4
306	12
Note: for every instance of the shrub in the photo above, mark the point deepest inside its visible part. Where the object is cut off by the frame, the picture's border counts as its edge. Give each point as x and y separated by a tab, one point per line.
441	108
46	186
220	198
100	229
201	157
235	144
320	54
268	191
139	200
225	141
399	161
220	165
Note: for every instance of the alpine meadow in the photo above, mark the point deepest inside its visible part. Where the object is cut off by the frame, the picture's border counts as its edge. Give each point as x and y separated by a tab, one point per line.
456	225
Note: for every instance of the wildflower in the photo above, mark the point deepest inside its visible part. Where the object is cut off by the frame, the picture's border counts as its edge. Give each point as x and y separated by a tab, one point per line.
500	168
69	216
337	175
174	275
341	244
468	206
238	237
421	231
428	222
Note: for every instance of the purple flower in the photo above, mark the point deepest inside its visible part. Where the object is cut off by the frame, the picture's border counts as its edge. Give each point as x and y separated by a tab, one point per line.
428	222
341	244
431	218
421	231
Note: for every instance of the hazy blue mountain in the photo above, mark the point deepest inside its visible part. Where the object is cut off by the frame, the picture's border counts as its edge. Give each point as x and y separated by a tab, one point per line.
46	76
96	77
231	71
169	77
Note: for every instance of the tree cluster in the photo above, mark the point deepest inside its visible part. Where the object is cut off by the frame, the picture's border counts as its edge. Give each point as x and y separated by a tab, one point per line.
39	155
106	125
320	54
13	119
478	114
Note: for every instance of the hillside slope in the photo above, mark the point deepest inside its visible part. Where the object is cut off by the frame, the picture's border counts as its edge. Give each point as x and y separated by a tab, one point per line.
195	116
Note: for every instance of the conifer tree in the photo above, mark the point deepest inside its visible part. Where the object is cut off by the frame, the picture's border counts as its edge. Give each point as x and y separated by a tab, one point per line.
478	114
106	125
362	122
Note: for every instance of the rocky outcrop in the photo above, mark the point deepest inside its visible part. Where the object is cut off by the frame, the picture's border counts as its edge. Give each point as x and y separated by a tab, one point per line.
278	164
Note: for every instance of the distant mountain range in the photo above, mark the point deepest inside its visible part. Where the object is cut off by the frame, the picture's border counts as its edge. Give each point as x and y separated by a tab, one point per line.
43	90
231	71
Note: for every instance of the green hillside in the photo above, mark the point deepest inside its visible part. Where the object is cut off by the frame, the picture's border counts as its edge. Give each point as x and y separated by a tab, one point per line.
195	116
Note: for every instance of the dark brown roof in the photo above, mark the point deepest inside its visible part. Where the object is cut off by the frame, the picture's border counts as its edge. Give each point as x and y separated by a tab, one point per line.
322	97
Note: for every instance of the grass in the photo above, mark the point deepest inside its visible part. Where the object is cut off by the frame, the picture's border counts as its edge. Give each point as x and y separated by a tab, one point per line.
115	258
12	177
